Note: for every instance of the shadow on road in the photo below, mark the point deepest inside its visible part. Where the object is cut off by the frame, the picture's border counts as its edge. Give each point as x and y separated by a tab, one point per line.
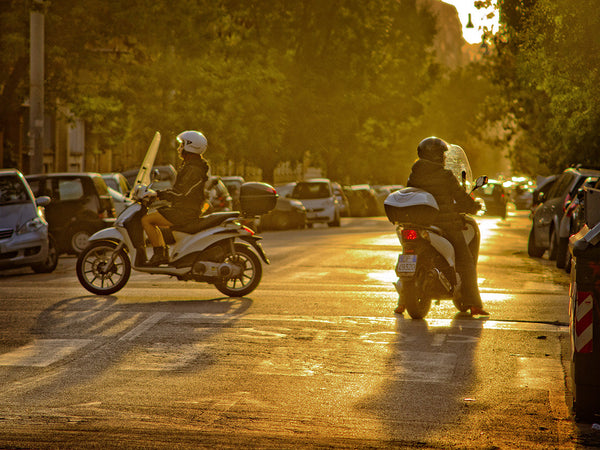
433	379
95	334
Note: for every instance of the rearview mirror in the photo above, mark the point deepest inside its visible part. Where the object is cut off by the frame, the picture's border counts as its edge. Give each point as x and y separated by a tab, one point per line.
481	181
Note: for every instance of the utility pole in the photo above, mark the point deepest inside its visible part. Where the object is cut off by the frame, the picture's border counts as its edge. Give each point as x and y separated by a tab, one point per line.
36	86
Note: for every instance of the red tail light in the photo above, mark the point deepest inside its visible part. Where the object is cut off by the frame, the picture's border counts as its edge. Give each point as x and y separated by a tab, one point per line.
409	235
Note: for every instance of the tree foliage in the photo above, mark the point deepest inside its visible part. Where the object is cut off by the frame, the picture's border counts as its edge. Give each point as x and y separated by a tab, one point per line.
349	85
547	63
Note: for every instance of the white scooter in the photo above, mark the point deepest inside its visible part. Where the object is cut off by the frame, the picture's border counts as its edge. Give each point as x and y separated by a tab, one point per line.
215	249
426	268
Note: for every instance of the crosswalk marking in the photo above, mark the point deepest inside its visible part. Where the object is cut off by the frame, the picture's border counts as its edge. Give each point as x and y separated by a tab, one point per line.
170	356
42	352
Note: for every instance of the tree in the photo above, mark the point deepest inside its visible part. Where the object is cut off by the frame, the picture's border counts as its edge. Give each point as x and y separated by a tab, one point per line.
345	81
546	63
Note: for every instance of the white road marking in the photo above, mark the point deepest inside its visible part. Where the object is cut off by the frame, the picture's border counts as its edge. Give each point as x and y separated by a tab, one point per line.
168	356
340	320
42	352
425	367
144	326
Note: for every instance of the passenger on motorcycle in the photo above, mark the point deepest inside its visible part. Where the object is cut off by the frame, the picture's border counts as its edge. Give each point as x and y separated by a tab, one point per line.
186	195
428	173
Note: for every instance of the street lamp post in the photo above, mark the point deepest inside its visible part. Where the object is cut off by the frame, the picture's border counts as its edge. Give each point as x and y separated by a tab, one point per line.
36	86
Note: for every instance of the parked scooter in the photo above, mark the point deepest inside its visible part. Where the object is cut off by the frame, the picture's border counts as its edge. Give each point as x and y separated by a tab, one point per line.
215	249
426	267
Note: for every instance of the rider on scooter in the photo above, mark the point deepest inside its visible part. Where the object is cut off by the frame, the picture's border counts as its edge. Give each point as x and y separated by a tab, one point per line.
186	195
428	173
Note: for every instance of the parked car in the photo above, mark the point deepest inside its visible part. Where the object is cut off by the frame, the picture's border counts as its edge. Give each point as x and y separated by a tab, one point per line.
217	195
363	201
494	197
165	179
118	189
24	236
285	190
342	199
319	200
544	184
233	185
118	182
80	206
548	229
287	214
522	196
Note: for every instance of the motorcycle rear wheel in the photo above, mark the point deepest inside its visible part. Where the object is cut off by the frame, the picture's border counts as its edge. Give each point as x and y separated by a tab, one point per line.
93	274
417	305
248	279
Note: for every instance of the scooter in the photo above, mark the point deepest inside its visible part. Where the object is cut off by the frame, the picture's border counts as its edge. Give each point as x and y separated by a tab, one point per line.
426	268
215	248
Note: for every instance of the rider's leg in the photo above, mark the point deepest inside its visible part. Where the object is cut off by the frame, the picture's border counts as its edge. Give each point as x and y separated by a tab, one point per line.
467	269
151	224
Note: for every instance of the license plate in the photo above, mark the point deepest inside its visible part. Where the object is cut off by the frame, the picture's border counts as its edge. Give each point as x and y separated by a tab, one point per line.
406	264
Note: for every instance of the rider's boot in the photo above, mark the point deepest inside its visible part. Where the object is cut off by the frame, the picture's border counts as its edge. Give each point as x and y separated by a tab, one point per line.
159	257
140	256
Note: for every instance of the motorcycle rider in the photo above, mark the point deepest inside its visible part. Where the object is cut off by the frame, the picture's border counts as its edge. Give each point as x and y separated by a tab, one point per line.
186	195
428	173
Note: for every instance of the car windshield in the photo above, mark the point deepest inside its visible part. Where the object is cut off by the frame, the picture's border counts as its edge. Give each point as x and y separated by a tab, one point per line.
307	191
12	190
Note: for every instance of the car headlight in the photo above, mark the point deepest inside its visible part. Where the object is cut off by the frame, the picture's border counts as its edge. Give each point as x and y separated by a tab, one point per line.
35	224
296	204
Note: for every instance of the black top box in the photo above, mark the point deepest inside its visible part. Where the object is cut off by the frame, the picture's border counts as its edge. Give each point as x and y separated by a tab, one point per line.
257	198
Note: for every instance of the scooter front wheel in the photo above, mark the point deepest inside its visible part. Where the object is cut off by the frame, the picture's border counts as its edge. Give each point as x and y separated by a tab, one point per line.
95	271
248	278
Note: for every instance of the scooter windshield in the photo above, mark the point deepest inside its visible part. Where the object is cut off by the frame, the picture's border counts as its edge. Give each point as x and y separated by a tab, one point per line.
144	174
458	163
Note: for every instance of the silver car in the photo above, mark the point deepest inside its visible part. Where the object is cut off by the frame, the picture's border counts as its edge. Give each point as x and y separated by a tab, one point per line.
24	238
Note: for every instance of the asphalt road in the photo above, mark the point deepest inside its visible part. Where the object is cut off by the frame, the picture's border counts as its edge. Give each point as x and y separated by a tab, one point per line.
313	358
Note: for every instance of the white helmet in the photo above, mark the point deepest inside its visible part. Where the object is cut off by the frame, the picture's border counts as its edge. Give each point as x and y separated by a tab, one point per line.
193	142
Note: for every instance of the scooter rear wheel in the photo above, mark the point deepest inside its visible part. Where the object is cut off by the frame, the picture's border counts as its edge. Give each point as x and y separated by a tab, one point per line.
93	272
417	305
248	278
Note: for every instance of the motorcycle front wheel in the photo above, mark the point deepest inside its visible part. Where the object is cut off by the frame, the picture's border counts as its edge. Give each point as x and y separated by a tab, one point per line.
248	278
94	272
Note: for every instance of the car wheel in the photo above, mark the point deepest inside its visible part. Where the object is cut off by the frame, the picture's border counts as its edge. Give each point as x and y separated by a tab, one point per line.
533	250
336	221
51	261
80	240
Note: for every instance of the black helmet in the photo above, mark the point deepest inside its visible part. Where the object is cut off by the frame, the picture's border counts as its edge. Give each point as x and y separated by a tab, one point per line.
433	149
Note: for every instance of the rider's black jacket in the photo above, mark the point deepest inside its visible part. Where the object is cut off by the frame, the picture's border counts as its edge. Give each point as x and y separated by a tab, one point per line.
443	185
187	194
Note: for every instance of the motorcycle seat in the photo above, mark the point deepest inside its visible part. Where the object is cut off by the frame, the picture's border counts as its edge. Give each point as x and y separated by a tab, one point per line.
206	222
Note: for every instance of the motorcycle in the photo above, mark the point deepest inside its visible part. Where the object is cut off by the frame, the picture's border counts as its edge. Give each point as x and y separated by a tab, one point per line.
215	249
426	267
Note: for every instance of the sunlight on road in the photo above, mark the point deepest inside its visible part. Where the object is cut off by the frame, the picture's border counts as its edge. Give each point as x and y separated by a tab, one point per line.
487	227
384	276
